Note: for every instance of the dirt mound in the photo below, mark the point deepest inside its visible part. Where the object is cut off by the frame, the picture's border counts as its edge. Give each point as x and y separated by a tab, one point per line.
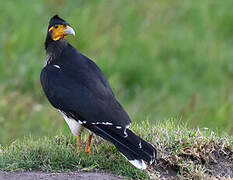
220	166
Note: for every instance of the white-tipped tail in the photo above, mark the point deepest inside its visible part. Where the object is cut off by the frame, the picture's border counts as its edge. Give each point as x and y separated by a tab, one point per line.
140	164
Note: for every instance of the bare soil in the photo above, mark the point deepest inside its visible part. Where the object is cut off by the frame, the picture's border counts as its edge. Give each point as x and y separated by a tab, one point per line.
220	168
80	175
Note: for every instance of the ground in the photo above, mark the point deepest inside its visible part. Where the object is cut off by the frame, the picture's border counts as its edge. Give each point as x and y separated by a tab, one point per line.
54	176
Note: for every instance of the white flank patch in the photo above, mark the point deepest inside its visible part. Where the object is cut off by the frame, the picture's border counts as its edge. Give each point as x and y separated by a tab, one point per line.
118	127
75	127
140	164
56	66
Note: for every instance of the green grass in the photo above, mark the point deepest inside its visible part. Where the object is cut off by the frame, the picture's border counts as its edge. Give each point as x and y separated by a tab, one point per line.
59	154
188	151
162	58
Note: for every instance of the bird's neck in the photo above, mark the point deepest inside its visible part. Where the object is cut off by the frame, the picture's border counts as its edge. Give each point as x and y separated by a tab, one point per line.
54	49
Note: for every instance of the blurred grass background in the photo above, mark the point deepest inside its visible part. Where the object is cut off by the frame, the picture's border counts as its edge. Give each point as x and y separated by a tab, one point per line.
162	58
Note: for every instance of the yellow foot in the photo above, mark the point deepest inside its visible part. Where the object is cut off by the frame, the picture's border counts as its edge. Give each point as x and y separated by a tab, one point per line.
88	151
88	146
79	143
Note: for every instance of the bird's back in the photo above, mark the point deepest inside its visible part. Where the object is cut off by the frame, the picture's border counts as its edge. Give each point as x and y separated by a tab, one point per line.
72	82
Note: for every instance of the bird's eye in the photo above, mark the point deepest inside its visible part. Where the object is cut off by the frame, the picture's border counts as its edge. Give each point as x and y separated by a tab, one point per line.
56	26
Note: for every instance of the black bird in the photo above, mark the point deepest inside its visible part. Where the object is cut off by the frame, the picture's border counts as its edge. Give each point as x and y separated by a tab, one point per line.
76	87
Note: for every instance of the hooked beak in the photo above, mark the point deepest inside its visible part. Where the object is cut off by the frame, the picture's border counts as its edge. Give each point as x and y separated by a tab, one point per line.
69	31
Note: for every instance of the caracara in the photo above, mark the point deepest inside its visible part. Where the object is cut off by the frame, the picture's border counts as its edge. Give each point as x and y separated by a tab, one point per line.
78	89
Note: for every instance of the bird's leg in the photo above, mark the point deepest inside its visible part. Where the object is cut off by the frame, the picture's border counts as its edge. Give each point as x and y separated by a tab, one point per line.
79	143
88	145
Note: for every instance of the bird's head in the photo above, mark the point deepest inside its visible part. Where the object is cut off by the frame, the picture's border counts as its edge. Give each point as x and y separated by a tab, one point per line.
58	29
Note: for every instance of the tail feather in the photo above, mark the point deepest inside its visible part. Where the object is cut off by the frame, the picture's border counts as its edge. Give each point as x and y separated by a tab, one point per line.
133	148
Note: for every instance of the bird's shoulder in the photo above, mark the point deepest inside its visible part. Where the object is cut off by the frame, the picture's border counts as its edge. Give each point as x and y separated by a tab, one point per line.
82	69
